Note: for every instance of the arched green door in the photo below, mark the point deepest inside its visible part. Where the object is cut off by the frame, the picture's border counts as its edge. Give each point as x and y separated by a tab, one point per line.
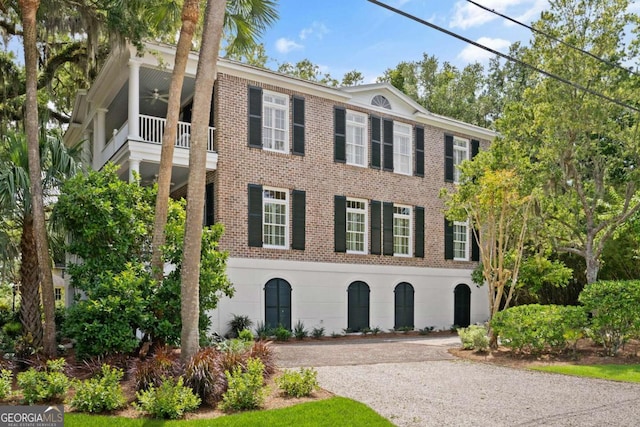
403	306
277	303
462	306
358	306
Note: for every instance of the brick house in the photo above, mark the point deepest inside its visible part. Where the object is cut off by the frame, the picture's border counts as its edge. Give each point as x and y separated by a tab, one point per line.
329	196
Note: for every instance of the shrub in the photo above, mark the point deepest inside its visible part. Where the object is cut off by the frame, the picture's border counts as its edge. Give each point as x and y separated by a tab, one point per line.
474	338
262	350
205	376
263	332
170	400
237	324
6	379
99	394
365	331
376	330
245	335
317	333
535	327
282	333
245	390
426	330
46	385
299	331
13	329
151	371
614	306
298	383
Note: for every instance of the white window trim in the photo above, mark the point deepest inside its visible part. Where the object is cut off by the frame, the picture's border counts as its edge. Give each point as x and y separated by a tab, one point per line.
284	107
466	150
467	243
410	237
365	130
366	225
286	203
397	127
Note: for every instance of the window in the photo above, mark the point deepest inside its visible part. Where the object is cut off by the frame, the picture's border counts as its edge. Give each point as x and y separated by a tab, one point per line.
275	122
57	294
275	224
460	241
460	154
402	230
356	226
402	148
355	138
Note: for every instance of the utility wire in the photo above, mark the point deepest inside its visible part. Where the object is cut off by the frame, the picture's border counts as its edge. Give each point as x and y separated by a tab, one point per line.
505	56
549	36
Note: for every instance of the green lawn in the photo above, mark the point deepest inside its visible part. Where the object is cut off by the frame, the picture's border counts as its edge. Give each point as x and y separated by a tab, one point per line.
627	373
336	411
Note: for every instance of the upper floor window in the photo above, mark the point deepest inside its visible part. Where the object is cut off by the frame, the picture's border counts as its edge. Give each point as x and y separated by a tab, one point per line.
402	148
275	122
460	154
275	224
356	226
402	230
460	241
356	134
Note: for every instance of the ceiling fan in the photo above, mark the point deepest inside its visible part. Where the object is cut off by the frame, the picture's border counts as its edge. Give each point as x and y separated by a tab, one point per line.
155	95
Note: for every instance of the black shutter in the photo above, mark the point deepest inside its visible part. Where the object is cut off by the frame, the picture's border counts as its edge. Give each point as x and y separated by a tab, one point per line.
419	232
448	239
255	215
340	223
298	125
212	111
475	248
475	147
298	206
339	131
448	158
419	169
387	228
376	227
387	144
208	205
376	141
255	117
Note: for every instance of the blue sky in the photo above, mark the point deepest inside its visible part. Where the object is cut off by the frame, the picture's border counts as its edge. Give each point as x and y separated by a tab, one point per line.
343	35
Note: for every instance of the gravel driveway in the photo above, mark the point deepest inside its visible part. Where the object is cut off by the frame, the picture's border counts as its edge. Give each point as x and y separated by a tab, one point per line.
417	383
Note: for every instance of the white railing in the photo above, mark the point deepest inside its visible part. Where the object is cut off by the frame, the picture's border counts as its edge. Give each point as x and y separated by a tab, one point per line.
152	128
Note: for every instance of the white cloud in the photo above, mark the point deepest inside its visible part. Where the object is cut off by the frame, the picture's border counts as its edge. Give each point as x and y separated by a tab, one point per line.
317	28
467	15
475	54
284	45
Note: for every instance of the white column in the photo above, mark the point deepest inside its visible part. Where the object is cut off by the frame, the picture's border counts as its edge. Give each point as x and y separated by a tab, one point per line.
134	99
134	165
100	131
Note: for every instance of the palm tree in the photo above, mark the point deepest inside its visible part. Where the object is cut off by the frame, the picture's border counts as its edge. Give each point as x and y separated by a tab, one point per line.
56	163
246	20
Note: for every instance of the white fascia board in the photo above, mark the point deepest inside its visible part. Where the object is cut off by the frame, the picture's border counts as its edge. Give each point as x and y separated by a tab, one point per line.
455	125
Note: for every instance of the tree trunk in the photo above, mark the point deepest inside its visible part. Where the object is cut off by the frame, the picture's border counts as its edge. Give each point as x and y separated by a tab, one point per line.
29	9
30	287
190	11
205	79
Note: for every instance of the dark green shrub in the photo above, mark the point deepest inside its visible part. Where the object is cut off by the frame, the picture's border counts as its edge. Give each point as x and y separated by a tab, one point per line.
263	332
298	383
13	329
474	338
281	333
245	390
163	363
170	400
614	306
50	384
375	330
426	330
365	331
534	328
99	394
6	380
299	331
205	375
317	333
237	324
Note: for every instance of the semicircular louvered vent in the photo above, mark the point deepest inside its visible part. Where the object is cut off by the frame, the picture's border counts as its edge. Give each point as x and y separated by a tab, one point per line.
381	101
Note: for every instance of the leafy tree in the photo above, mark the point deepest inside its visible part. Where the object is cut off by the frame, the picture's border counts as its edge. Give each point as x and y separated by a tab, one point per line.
583	150
307	70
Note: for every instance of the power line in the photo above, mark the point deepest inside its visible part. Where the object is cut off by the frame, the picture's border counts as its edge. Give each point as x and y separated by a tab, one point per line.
505	56
549	36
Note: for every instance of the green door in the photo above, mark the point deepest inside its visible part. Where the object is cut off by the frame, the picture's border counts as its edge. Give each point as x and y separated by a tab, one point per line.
277	303
462	306
403	306
358	306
